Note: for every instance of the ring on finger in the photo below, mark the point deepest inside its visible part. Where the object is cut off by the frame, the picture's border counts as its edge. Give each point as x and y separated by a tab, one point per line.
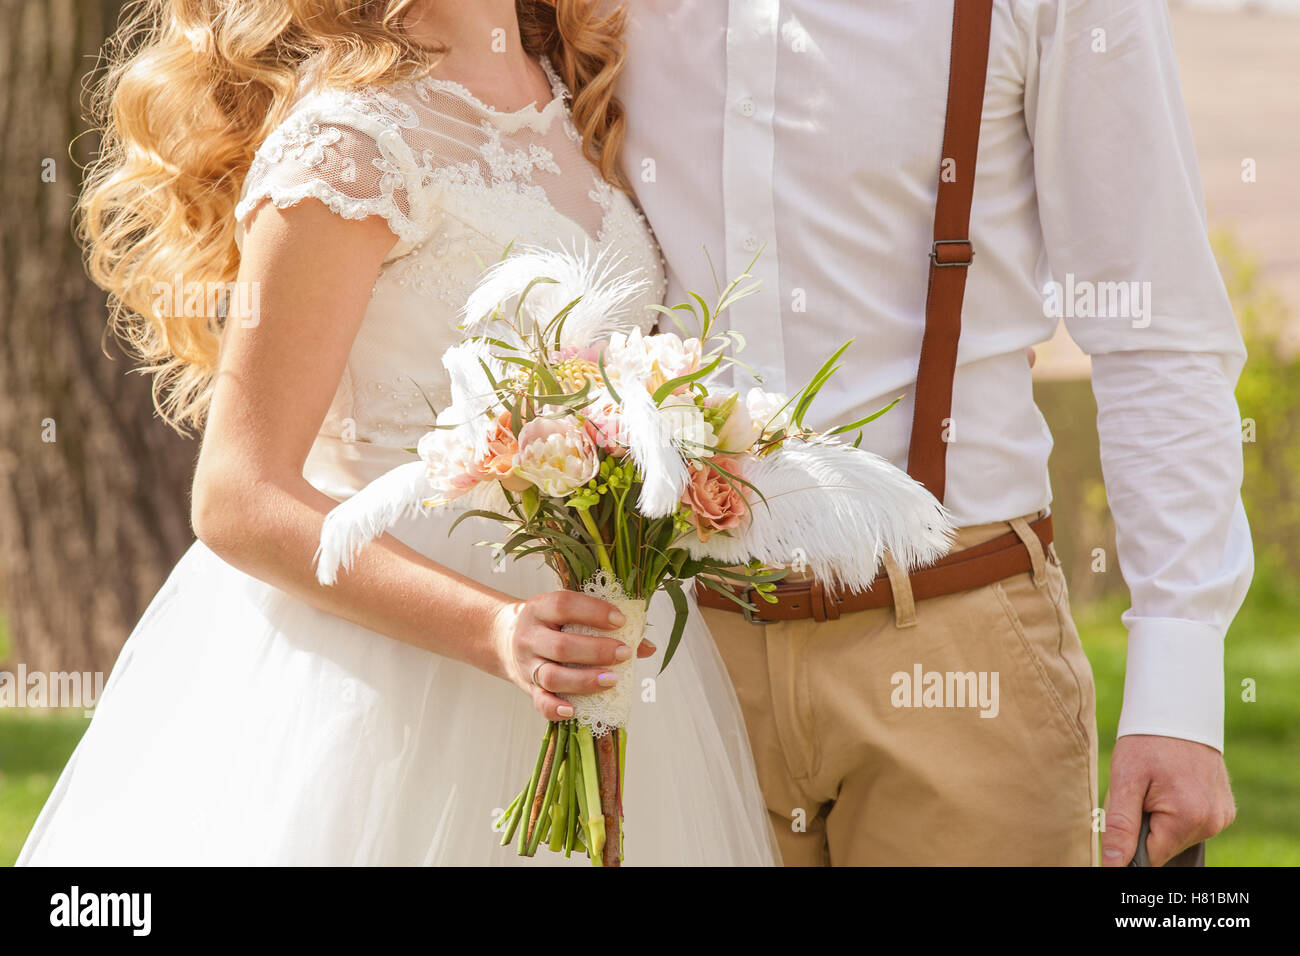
539	666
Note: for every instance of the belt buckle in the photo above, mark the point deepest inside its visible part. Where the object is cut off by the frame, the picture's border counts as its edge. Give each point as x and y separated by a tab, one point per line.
747	608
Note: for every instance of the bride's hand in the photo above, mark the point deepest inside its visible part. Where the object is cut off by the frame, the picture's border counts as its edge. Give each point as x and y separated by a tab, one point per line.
531	644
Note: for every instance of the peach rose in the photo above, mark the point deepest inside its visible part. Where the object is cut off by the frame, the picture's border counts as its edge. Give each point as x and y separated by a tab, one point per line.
714	503
498	463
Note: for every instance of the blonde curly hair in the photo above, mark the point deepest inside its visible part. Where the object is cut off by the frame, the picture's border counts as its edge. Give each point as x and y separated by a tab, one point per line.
189	90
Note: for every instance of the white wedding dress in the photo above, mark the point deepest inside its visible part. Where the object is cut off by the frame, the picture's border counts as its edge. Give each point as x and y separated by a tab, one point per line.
243	726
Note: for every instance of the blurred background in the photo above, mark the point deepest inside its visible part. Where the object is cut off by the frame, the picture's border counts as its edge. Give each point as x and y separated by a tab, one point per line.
94	490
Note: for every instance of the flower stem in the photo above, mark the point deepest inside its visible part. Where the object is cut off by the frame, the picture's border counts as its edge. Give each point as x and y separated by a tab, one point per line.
509	812
542	803
513	817
594	818
577	794
522	845
612	824
622	767
601	554
561	827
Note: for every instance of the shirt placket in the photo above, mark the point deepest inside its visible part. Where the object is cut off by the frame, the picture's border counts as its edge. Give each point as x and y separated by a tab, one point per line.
748	158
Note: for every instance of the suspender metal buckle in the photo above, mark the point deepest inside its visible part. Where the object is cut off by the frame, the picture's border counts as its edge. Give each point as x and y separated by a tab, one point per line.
943	262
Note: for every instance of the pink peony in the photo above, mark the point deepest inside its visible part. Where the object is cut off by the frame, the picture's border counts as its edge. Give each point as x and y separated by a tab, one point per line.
556	455
448	454
604	426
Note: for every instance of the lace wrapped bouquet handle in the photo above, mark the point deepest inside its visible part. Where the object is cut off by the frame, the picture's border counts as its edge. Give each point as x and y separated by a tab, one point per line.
619	458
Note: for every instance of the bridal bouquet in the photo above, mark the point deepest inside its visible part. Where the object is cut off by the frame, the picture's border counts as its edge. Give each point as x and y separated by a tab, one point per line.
616	457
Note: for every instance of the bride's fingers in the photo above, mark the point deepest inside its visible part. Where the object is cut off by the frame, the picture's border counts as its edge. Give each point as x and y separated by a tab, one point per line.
558	608
554	678
646	649
584	649
550	706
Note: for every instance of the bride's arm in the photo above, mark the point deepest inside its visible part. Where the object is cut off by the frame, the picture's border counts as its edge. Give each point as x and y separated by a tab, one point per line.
252	507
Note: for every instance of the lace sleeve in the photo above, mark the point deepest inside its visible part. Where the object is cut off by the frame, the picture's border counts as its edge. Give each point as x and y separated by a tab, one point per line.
341	150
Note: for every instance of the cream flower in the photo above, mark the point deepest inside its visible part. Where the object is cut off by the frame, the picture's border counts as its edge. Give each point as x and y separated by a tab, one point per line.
670	357
627	364
450	457
685	426
556	455
739	431
649	360
765	408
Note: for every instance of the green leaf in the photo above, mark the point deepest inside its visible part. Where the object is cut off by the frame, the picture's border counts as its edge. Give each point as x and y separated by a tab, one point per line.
729	478
672	314
519	306
727	593
565	398
841	429
600	363
492	380
809	391
734	294
682	609
707	322
532	501
557	323
490	515
432	410
517	360
499	343
666	389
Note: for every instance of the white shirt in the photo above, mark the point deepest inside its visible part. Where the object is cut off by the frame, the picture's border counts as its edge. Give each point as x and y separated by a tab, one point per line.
812	129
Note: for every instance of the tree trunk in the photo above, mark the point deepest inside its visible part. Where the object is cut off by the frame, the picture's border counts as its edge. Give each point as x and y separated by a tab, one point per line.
93	487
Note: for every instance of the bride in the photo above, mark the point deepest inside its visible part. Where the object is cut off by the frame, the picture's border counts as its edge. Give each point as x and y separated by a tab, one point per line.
348	170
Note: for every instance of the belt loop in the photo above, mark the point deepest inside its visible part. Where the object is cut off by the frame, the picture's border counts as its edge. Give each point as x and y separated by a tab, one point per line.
901	585
1035	547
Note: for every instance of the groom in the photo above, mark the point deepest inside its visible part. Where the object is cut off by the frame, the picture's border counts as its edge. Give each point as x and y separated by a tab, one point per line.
947	717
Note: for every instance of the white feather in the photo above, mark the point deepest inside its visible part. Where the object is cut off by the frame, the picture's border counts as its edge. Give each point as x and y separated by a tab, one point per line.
837	507
604	290
472	395
404	492
370	512
660	462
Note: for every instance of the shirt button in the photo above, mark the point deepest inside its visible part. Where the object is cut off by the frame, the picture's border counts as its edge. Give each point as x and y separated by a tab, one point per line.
747	107
750	244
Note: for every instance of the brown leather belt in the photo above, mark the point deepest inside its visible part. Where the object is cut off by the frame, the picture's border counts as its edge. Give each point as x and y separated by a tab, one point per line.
973	567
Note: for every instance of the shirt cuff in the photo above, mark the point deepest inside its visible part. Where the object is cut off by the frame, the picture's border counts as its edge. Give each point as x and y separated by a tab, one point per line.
1173	683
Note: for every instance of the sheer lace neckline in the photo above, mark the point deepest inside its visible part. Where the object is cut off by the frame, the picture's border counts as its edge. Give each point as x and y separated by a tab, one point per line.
530	114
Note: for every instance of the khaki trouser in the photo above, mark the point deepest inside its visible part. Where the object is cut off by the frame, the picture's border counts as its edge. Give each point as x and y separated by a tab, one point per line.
860	767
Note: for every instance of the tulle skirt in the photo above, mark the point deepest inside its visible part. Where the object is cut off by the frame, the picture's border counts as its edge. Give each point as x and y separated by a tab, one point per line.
240	725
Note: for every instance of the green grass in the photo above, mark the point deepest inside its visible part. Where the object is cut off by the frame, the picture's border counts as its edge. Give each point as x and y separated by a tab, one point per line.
1262	746
34	746
1263	737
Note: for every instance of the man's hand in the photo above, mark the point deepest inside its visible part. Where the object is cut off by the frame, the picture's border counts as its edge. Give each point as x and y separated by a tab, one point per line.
1181	783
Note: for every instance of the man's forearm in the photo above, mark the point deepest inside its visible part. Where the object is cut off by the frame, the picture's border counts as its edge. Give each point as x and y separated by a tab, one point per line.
1172	460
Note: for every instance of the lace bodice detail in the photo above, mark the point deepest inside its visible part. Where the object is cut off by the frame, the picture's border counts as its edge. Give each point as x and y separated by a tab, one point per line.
457	182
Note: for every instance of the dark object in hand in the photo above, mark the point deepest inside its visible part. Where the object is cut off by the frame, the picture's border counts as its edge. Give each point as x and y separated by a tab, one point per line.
1194	855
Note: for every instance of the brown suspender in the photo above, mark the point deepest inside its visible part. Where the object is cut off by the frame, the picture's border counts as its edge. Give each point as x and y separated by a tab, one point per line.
950	257
952	253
